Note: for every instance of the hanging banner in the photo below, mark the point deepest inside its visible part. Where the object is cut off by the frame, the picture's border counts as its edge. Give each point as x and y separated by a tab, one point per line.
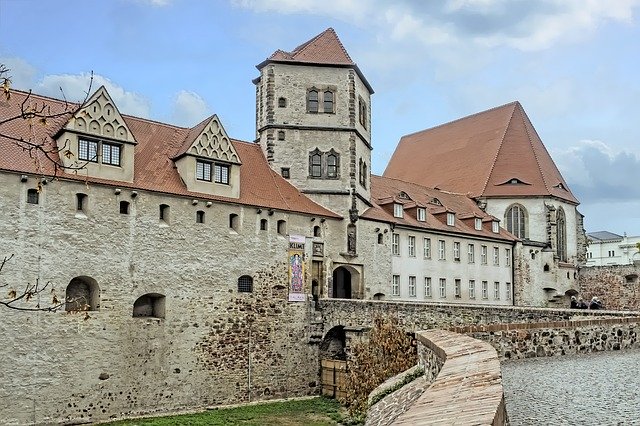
296	268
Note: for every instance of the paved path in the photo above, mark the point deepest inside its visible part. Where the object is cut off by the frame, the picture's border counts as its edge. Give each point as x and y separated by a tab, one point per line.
595	389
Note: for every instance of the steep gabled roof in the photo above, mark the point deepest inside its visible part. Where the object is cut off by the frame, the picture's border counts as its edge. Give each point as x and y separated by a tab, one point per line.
385	190
325	49
154	169
494	153
209	139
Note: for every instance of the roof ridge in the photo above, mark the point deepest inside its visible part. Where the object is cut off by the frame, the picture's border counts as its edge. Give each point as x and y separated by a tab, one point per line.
308	42
495	158
544	178
461	118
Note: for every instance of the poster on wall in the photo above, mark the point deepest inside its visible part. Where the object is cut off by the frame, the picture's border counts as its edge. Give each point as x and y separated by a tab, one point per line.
296	268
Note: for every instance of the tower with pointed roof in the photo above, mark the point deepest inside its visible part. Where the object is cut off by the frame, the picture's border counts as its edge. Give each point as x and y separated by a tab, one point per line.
313	122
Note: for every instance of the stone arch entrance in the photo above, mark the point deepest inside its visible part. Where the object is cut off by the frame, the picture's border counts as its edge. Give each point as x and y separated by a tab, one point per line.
333	364
346	282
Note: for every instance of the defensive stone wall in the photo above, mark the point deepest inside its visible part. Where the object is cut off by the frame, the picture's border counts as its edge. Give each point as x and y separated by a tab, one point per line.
414	316
529	340
617	286
467	388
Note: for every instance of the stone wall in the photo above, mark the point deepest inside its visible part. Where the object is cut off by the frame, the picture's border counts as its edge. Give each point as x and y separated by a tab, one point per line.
618	286
517	341
213	345
416	316
467	389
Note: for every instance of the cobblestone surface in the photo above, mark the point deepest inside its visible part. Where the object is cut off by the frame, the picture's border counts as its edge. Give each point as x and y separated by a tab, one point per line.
592	389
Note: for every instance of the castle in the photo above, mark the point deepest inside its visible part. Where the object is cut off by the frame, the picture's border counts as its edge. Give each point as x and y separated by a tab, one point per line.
190	260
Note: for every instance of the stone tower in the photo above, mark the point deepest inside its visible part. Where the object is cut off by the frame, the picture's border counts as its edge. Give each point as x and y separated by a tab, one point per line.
313	122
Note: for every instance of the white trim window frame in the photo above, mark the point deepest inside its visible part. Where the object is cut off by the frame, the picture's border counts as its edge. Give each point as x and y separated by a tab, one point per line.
427	248
395	285
395	244
412	286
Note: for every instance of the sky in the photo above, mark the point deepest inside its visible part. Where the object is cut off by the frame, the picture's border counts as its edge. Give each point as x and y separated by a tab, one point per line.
572	64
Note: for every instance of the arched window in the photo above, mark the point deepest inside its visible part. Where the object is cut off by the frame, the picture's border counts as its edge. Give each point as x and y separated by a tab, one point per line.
82	294
245	284
316	231
150	305
280	135
328	101
315	164
200	216
561	235
164	213
312	101
332	165
516	221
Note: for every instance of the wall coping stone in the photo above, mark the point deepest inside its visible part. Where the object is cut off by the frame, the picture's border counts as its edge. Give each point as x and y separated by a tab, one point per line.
537	325
468	389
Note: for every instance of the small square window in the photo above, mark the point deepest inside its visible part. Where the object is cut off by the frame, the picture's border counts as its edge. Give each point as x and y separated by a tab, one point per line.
199	216
263	224
124	207
111	153
285	172
32	196
81	202
281	135
282	102
88	150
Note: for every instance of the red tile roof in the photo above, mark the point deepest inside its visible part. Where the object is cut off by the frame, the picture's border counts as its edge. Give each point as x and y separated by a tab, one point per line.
154	169
385	190
325	48
480	154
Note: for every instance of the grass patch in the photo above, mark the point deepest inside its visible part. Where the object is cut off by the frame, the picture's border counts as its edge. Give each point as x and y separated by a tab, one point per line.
312	412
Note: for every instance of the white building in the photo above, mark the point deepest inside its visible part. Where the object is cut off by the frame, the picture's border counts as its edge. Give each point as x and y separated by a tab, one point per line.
606	248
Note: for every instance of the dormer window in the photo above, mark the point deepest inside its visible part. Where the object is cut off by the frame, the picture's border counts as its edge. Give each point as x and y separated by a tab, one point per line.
397	210
436	202
451	219
561	186
203	170
221	173
88	151
495	227
478	224
422	214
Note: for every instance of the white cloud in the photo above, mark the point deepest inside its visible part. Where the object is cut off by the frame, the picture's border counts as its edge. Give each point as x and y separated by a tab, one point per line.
189	109
596	172
21	73
74	88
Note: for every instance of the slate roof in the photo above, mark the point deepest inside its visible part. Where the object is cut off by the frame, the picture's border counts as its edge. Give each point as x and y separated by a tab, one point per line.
154	168
480	155
604	236
387	191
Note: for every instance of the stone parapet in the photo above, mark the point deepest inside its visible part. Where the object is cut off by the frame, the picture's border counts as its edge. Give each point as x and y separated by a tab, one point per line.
467	388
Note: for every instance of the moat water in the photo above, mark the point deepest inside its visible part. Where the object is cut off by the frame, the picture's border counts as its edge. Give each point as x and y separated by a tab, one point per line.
600	388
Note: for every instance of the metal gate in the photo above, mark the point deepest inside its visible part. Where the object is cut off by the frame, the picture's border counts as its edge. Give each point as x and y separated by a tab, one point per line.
334	376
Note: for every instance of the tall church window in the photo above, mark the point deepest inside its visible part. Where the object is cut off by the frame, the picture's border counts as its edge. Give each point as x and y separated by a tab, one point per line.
312	101
561	235
515	219
328	101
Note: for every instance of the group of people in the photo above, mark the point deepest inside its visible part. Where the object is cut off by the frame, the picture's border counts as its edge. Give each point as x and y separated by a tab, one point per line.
581	304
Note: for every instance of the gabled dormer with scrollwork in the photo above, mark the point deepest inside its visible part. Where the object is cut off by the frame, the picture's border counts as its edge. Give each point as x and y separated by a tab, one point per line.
97	142
207	161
